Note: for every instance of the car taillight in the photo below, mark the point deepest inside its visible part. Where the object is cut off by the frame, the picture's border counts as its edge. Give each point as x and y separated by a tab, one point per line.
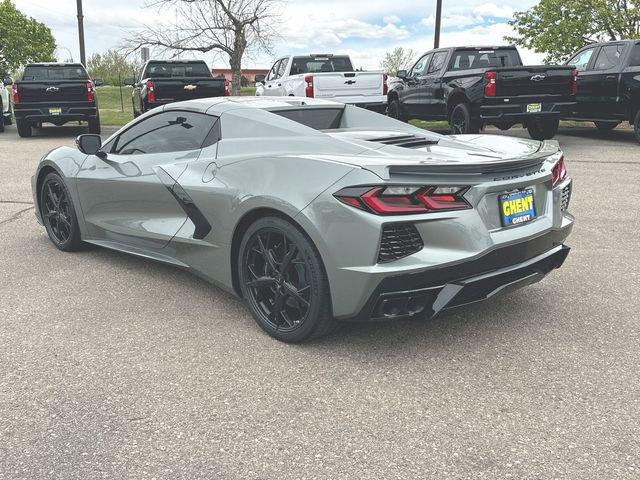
227	91
151	91
490	87
573	86
385	87
401	200
91	92
15	94
559	172
308	91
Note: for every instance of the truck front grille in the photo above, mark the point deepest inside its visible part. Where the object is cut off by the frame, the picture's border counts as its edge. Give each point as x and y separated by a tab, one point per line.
399	240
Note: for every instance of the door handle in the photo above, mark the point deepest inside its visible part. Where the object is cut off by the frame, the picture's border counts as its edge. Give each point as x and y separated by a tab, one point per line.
279	84
611	77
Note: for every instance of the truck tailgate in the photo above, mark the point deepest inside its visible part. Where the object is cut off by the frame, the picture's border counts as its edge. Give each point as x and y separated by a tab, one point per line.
347	84
52	91
175	89
535	80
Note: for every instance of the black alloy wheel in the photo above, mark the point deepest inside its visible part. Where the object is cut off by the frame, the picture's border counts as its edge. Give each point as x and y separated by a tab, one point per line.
460	120
283	281
58	214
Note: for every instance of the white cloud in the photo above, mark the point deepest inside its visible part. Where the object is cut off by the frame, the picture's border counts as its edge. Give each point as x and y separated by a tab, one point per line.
493	10
391	19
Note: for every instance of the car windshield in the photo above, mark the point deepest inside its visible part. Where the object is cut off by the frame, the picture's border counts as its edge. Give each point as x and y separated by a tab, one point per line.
55	72
168	70
316	118
468	59
314	64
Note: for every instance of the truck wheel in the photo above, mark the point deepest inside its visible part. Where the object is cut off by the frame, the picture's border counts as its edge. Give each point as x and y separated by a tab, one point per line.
1	125
9	119
94	125
394	110
543	129
24	128
461	122
606	126
636	126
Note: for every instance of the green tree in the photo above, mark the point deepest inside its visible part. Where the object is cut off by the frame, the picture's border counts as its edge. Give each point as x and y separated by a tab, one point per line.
108	65
560	27
22	39
397	59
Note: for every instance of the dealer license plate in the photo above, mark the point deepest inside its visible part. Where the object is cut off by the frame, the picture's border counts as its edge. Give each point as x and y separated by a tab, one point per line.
55	111
534	107
517	207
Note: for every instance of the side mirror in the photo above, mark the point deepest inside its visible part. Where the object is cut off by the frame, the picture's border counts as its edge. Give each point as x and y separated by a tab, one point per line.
98	82
89	144
129	81
260	78
401	74
7	81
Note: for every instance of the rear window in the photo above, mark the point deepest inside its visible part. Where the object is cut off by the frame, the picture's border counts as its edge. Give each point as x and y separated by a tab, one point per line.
169	70
55	72
467	59
316	118
635	56
320	64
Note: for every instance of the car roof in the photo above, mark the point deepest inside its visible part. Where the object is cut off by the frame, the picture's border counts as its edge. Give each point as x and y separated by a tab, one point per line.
610	42
219	105
55	64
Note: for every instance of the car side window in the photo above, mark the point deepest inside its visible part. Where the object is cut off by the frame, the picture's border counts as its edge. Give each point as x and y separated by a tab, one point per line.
172	131
581	60
437	62
274	70
608	57
635	56
282	67
420	66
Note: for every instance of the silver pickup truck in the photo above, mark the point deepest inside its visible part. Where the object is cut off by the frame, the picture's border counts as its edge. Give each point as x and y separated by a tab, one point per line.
325	76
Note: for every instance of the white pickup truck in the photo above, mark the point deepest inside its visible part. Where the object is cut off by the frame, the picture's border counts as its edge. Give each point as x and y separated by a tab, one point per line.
330	77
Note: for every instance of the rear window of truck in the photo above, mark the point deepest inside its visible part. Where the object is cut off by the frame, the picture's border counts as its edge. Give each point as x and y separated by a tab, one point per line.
468	59
169	70
316	118
55	72
320	64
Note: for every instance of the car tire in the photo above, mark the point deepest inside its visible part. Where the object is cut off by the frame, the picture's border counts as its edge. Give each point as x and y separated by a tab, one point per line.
94	125
461	122
636	126
2	121
394	110
58	214
606	126
8	120
543	129
24	128
283	281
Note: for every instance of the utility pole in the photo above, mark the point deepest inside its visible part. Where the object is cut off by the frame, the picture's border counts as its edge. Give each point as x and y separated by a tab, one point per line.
436	37
83	59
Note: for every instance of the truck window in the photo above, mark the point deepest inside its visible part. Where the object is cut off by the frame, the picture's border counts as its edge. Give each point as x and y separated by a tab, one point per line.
421	65
635	56
273	73
437	62
316	118
468	59
316	64
169	70
581	60
55	72
608	57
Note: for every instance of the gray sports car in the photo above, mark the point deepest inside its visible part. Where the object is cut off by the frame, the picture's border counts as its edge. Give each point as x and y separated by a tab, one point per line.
314	211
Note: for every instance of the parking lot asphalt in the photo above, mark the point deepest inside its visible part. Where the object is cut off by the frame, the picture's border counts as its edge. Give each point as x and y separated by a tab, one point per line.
115	367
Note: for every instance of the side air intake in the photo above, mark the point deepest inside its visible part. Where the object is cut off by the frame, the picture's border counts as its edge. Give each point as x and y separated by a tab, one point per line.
399	240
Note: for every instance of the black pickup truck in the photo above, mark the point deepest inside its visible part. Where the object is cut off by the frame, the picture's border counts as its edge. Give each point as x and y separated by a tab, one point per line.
473	86
165	81
56	93
608	84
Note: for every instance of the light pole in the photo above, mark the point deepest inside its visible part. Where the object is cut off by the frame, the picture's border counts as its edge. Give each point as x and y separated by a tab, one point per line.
436	36
83	59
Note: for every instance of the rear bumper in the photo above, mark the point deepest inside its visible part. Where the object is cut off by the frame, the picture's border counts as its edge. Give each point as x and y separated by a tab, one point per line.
68	113
427	293
516	113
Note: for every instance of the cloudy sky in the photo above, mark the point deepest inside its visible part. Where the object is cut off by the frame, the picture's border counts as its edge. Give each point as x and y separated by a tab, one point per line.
364	29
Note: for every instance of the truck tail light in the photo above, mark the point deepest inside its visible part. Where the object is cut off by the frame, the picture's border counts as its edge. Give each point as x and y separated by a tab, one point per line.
151	91
15	93
490	87
385	87
573	86
559	172
308	81
227	91
91	91
402	200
